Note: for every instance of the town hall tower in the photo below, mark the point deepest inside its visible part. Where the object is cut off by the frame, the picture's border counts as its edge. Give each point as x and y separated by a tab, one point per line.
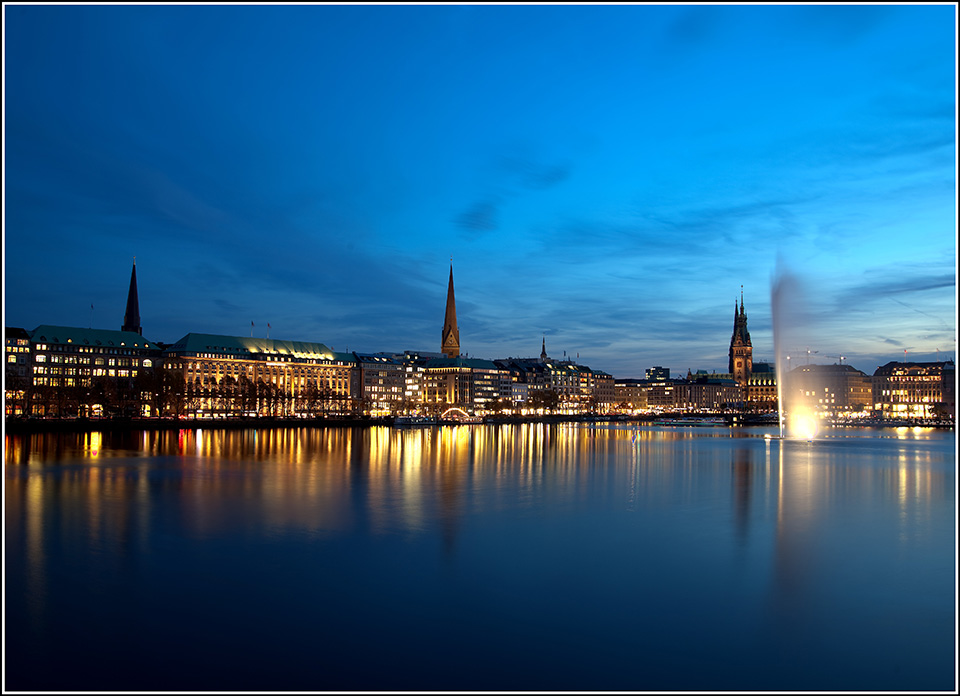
741	350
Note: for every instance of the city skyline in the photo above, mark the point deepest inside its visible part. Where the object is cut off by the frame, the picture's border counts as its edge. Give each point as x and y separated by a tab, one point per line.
608	177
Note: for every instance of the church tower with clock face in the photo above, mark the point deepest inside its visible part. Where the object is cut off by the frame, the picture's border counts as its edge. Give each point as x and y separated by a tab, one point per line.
741	350
450	337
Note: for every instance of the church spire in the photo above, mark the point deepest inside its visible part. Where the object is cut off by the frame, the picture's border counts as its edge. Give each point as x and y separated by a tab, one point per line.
741	349
450	345
131	318
543	352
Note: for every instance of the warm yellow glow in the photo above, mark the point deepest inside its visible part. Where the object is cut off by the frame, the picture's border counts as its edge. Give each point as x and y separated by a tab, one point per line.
94	442
802	425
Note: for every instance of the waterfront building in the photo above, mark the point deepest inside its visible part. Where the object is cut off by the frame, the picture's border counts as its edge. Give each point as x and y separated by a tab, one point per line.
604	391
379	381
221	376
67	371
519	393
413	373
829	389
660	396
700	392
925	390
761	387
523	381
18	368
563	378
706	393
561	385
741	349
91	372
469	384
631	395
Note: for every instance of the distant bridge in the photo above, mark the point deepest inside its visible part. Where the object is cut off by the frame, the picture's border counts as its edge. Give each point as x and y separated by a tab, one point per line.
456	414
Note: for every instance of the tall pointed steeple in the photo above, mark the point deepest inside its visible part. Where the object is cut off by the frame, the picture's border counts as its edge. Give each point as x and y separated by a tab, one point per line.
543	352
450	345
741	349
131	318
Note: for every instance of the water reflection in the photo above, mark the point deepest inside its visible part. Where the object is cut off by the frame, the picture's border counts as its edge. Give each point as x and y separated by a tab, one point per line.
640	541
389	479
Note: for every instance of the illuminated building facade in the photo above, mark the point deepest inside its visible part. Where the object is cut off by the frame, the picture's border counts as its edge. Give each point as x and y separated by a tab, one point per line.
231	375
18	368
702	392
761	387
660	396
604	391
91	372
915	390
705	393
577	388
829	389
379	381
466	383
631	395
658	373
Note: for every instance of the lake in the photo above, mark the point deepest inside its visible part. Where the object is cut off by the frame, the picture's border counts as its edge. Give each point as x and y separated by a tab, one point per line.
481	557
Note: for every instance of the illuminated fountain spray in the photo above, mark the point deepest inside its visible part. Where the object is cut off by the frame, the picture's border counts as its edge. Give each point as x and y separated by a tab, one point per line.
789	314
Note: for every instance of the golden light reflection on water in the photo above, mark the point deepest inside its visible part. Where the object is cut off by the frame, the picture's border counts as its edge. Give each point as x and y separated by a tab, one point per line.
328	481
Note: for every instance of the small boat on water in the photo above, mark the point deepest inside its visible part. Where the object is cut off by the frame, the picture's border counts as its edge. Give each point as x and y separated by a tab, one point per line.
413	421
696	422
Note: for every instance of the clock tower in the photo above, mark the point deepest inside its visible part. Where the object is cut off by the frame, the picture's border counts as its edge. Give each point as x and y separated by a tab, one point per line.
741	350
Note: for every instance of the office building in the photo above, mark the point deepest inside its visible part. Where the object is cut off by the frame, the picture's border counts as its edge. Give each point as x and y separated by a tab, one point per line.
910	390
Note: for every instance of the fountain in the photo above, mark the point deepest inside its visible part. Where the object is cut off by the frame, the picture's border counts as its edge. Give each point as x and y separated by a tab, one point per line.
790	317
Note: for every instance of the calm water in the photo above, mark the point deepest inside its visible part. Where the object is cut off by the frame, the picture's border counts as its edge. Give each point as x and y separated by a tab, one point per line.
536	557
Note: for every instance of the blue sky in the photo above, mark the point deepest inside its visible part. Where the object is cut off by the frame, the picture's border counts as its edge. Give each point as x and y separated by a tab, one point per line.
605	176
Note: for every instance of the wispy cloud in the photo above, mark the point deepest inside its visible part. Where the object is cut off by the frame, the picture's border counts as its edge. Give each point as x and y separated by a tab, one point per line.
479	218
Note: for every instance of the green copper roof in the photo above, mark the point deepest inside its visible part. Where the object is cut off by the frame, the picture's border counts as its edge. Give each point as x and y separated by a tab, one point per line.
58	335
248	346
